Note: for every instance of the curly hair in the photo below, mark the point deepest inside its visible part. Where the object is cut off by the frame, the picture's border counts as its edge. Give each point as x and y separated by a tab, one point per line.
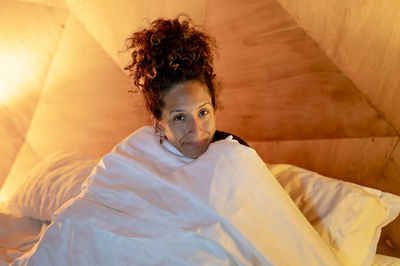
168	53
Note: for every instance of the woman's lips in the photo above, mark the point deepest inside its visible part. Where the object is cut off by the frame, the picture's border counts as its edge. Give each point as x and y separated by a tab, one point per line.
196	144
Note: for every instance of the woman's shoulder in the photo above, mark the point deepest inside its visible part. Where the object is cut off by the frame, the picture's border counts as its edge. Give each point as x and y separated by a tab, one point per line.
220	135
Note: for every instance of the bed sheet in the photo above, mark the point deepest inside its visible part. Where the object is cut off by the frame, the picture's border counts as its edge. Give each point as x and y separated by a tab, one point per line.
180	212
18	243
18	234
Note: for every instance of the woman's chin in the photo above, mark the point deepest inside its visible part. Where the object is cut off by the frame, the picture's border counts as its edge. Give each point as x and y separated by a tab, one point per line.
194	152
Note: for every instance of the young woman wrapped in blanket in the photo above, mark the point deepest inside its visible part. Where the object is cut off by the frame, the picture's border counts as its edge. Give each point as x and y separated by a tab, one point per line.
180	192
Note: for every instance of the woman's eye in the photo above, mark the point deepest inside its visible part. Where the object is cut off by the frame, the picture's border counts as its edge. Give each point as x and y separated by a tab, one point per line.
203	112
179	118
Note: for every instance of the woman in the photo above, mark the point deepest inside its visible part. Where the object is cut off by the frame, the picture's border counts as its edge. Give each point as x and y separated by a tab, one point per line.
172	66
151	204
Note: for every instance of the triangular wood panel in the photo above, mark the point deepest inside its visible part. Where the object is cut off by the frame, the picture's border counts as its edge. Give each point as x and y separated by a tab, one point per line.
279	83
90	104
363	39
29	37
84	106
111	22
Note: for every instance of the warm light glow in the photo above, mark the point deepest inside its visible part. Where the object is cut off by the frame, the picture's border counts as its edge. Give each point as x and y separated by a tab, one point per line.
3	198
12	75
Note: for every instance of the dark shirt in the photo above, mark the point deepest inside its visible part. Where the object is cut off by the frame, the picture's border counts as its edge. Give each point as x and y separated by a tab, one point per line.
219	135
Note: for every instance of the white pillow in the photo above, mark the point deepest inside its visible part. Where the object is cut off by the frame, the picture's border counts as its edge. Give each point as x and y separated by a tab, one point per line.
50	184
348	217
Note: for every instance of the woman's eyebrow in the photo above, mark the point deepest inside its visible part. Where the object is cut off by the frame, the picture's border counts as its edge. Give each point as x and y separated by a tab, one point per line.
179	110
204	104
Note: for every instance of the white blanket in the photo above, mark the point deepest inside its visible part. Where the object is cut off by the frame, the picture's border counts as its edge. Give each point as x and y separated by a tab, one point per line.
147	204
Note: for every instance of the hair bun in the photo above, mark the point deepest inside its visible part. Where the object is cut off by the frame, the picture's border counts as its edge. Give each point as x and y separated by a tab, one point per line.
169	52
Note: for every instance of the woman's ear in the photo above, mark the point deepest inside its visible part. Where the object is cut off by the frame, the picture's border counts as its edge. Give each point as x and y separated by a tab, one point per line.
154	121
158	129
156	126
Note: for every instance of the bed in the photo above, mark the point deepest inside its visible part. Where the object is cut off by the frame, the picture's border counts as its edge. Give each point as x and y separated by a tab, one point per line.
347	217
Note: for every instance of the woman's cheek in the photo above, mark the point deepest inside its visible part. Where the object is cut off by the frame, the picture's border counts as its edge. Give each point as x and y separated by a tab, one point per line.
210	125
178	131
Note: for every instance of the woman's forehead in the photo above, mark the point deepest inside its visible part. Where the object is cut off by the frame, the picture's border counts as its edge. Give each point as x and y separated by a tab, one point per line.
187	94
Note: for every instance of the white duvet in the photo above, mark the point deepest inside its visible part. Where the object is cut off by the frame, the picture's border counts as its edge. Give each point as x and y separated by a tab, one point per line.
147	204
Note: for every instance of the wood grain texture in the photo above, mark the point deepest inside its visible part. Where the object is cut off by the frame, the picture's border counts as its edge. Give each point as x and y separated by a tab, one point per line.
346	159
85	104
389	243
111	22
27	46
50	3
363	39
278	83
84	107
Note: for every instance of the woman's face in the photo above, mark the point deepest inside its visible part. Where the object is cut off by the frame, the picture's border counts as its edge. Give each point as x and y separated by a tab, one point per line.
188	118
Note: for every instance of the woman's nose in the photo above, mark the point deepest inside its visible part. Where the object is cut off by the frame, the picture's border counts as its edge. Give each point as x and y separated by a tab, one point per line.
193	126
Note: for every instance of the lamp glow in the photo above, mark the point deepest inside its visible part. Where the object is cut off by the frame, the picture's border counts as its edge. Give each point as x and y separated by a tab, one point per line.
12	76
3	197
4	93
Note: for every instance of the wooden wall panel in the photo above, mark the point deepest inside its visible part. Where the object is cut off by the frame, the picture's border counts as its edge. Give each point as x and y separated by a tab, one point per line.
277	82
84	107
50	3
85	104
111	22
389	244
19	168
363	39
356	160
29	37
